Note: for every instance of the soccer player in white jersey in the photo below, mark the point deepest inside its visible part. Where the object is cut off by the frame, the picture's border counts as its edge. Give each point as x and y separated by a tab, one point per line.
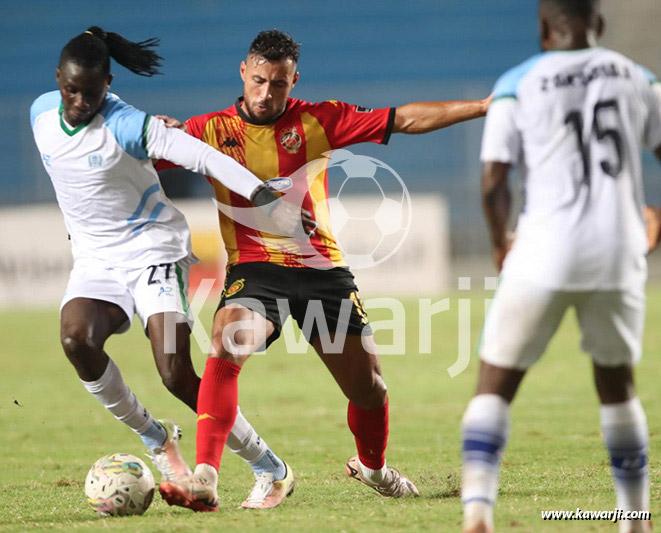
576	117
131	246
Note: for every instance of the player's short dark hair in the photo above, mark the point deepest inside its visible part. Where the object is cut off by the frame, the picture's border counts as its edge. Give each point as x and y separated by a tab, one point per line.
583	9
94	48
275	45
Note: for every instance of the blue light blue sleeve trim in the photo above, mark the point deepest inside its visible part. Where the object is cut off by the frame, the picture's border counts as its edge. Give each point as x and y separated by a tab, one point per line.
651	77
45	102
126	124
508	84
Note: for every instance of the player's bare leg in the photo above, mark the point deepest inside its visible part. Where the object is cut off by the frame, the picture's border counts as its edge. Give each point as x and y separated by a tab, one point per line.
358	373
86	324
176	369
179	377
624	426
485	431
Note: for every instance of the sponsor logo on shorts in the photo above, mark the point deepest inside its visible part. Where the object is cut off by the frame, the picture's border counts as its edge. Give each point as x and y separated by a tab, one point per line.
235	287
165	290
291	140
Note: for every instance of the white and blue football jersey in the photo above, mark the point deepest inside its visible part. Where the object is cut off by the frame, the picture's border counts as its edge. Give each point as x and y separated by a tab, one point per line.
577	122
113	204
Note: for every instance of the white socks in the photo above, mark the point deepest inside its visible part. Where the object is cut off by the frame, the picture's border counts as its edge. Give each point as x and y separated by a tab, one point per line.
244	441
375	476
624	427
485	431
115	396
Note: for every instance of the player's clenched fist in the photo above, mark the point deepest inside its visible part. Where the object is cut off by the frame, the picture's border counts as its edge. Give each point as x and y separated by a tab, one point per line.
290	219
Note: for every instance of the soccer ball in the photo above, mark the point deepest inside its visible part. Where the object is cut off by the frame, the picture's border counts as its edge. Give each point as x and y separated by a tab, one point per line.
118	485
369	229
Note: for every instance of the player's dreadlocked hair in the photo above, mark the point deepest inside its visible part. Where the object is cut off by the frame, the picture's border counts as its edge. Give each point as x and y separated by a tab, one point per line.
583	9
275	45
95	47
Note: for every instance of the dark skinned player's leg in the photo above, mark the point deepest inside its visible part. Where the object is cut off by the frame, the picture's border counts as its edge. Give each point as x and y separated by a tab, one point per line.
624	427
176	369
86	324
485	430
503	382
614	384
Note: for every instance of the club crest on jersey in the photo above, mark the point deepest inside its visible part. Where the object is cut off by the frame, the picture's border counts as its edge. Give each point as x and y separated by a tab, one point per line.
95	160
279	184
235	287
291	140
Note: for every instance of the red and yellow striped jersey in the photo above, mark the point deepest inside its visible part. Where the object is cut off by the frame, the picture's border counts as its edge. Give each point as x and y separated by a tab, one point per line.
301	135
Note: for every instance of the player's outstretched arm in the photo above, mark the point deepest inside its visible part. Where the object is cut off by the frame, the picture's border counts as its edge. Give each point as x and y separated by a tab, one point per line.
496	204
423	117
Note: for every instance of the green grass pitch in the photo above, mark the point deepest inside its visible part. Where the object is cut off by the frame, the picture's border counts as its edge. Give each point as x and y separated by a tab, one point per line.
51	431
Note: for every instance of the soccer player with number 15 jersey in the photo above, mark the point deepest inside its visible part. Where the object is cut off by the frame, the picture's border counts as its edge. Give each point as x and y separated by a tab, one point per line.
576	117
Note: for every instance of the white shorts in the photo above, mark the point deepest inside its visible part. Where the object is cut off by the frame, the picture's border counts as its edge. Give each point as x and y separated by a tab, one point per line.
144	291
523	317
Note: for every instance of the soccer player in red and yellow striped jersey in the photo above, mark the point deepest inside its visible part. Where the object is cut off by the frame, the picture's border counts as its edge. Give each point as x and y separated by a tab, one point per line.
283	141
303	133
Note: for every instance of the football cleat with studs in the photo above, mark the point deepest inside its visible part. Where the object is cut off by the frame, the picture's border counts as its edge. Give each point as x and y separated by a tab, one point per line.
195	492
269	493
394	484
167	459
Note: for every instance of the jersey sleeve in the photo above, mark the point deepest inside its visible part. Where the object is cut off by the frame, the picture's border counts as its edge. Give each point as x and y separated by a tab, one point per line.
501	140
184	150
346	124
127	124
45	102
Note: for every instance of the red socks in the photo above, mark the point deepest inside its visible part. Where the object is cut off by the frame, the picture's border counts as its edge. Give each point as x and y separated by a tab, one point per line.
216	408
370	427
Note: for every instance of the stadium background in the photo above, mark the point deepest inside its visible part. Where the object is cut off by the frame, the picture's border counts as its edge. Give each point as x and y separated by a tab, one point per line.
370	53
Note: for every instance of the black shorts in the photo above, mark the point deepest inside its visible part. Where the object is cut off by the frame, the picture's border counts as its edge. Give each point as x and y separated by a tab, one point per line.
276	292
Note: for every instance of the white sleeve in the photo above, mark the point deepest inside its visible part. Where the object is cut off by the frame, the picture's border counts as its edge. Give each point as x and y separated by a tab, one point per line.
501	140
653	125
184	150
